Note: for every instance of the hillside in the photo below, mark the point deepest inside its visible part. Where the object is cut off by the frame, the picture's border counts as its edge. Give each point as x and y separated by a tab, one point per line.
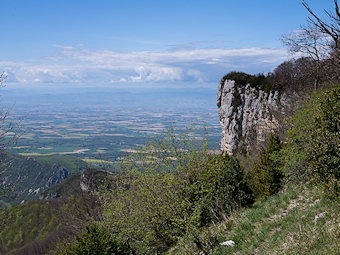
39	226
26	177
298	220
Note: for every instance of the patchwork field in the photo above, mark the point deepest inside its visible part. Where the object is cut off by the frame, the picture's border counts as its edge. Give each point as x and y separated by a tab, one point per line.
106	131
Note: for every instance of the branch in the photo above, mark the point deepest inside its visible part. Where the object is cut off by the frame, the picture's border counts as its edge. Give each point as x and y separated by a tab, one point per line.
337	9
321	24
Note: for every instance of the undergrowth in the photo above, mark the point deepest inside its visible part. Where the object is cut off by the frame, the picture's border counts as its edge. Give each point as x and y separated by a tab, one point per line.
283	224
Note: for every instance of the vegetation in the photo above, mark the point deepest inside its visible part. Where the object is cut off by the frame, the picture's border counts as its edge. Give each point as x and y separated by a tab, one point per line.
71	163
7	136
95	241
319	43
267	176
259	81
173	196
312	150
27	177
172	188
36	227
285	223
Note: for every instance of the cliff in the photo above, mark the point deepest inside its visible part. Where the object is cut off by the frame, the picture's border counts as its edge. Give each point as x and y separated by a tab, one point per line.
249	111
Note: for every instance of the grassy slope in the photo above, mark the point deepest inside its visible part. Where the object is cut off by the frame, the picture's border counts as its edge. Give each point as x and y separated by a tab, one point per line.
283	224
71	163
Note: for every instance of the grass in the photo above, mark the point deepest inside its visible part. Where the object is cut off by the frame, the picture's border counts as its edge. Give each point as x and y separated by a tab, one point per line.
21	147
31	154
283	224
71	163
96	161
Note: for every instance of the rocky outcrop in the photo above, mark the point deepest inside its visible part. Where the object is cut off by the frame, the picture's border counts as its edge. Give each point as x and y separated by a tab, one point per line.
88	181
248	115
59	174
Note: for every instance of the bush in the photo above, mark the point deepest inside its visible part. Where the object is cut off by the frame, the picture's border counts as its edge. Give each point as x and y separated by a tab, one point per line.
226	186
169	189
95	241
267	176
312	150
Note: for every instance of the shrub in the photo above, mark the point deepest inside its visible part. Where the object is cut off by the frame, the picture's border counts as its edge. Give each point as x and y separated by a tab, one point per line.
312	150
169	189
227	189
267	176
324	149
95	241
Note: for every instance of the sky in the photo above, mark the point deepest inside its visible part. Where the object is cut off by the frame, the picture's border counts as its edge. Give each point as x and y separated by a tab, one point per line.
156	43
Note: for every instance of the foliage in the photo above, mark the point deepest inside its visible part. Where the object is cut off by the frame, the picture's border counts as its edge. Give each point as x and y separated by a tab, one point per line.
22	224
95	241
324	150
36	227
8	135
171	188
267	176
259	81
312	150
227	189
282	224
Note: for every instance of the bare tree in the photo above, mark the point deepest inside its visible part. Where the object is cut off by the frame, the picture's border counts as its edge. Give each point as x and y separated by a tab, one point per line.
319	41
7	136
330	26
6	126
295	75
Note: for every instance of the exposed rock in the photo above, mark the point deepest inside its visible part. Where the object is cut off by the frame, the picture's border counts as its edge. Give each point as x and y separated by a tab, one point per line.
88	181
319	216
230	243
59	174
248	115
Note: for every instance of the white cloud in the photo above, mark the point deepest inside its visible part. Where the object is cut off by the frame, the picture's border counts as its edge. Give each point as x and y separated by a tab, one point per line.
76	64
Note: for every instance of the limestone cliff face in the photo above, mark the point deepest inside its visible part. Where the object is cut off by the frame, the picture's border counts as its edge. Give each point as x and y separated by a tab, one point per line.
248	115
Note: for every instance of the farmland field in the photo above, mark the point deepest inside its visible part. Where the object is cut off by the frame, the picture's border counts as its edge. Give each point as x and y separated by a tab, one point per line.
101	125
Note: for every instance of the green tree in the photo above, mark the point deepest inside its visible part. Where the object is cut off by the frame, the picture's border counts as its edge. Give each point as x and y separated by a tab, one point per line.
312	151
267	175
324	146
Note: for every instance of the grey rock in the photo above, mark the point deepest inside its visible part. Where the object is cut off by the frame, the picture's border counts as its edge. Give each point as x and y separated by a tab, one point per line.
319	216
230	243
59	174
248	115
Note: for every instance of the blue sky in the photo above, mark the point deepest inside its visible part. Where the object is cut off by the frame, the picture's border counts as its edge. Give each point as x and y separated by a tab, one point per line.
143	42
